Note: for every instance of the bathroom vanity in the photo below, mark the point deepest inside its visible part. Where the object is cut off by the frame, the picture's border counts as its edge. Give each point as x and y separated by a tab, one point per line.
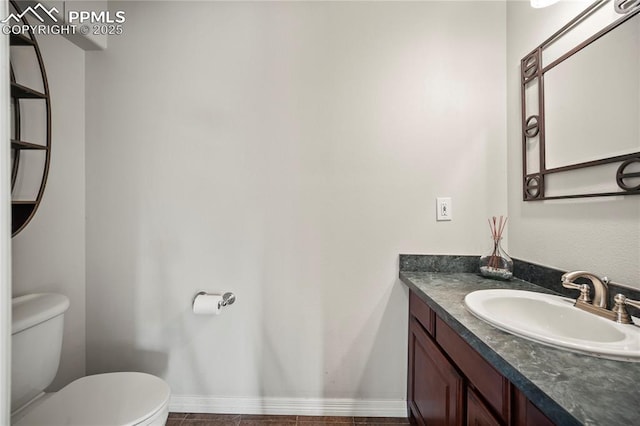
447	378
464	371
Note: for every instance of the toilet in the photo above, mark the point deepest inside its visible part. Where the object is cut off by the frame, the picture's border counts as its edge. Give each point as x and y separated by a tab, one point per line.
110	399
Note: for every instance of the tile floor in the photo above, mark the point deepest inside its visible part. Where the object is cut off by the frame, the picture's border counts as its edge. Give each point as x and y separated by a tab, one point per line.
195	419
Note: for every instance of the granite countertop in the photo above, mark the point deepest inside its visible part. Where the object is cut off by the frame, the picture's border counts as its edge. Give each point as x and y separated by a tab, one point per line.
569	388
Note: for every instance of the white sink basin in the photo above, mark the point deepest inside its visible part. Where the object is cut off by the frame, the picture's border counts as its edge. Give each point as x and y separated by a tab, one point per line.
554	321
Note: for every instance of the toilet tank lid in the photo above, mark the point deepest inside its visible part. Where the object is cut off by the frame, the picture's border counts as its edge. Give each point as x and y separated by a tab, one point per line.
33	309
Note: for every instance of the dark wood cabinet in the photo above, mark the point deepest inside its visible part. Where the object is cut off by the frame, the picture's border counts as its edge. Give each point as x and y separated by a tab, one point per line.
481	376
450	383
438	389
477	412
527	414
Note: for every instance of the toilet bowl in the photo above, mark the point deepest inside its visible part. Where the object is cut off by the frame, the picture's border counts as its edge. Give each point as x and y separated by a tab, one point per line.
109	399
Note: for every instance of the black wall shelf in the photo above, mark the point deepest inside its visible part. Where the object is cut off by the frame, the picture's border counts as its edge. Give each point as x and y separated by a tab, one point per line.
22	211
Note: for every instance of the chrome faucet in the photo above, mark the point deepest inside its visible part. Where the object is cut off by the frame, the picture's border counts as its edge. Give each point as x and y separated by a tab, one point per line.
600	286
599	304
618	312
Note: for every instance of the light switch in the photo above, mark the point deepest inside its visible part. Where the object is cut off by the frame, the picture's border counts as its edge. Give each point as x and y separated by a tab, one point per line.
444	209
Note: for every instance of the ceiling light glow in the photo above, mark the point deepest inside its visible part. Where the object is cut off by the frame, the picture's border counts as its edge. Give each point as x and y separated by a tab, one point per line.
542	3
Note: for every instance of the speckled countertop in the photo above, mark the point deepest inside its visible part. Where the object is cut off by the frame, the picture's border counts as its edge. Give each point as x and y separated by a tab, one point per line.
569	388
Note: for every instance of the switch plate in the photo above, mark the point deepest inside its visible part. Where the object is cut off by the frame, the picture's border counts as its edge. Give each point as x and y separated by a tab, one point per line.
444	209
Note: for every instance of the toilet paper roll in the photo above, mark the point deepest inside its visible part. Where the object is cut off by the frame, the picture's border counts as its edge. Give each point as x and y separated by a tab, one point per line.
207	304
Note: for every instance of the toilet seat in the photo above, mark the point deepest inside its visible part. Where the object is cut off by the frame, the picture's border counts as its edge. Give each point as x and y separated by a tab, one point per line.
110	399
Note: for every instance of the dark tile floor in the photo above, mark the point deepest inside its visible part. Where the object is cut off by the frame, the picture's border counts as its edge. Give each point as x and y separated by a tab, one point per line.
195	419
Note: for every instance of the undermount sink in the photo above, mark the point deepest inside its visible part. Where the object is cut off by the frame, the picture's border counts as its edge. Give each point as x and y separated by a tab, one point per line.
554	321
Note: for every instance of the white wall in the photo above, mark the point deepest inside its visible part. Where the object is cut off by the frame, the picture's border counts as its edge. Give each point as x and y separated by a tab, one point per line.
49	253
600	235
287	152
5	229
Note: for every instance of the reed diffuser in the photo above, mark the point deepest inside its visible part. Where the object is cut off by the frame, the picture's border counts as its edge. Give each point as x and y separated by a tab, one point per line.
497	264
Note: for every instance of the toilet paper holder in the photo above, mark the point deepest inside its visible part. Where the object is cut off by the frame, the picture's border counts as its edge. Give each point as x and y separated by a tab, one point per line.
227	298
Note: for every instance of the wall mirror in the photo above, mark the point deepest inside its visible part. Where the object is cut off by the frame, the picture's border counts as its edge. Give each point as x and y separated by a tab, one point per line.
580	94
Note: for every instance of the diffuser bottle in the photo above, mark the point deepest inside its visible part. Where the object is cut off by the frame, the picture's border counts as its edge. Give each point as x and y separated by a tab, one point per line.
497	264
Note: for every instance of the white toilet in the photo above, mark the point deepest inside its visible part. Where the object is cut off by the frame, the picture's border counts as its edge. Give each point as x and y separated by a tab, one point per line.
111	399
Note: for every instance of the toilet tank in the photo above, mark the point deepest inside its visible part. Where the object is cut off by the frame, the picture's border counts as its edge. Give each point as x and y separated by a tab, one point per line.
37	322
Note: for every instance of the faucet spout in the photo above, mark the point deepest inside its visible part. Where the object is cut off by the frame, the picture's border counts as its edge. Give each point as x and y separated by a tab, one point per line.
601	288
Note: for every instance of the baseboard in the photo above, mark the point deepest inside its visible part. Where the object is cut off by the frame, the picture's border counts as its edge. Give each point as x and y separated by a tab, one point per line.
288	406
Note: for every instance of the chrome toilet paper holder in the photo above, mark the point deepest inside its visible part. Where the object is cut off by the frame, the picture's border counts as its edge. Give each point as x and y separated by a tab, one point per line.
227	298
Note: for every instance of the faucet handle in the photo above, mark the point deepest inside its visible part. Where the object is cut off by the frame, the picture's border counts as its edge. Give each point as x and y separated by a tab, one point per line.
620	308
584	290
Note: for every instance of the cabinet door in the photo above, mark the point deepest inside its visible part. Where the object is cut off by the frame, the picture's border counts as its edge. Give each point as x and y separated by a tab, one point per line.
528	414
486	380
436	392
477	413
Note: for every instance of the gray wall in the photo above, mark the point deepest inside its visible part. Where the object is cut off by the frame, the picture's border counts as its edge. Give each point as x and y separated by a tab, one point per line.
599	235
286	152
49	253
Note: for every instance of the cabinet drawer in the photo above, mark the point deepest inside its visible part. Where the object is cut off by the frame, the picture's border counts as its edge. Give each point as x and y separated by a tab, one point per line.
481	375
422	312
